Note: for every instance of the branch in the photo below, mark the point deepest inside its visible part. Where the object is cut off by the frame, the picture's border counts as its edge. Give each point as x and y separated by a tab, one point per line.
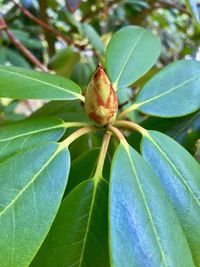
20	46
48	28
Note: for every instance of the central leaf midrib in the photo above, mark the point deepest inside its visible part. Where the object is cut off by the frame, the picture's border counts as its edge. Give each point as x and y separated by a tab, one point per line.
128	57
40	82
96	184
147	208
140	104
29	183
30	133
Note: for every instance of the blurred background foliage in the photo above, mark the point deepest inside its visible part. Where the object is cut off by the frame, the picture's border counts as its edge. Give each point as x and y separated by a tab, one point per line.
70	39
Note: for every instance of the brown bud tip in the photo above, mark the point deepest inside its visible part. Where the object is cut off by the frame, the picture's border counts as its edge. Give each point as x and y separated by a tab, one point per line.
101	103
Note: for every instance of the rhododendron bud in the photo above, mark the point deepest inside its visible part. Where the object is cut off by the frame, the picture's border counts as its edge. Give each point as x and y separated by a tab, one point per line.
101	103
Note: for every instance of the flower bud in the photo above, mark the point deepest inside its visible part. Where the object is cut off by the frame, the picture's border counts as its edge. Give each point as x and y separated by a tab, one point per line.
101	103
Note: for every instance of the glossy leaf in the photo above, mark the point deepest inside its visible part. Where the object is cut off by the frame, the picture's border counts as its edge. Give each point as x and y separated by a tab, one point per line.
64	61
86	163
173	92
186	131
93	37
32	183
131	52
26	133
144	230
67	110
9	55
78	236
29	84
179	173
192	6
25	38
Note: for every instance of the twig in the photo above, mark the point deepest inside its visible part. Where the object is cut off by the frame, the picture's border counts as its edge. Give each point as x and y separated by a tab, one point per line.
21	47
47	27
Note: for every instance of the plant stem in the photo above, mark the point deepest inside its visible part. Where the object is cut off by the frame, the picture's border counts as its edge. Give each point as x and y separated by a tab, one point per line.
21	47
99	170
48	28
129	109
77	134
131	126
118	134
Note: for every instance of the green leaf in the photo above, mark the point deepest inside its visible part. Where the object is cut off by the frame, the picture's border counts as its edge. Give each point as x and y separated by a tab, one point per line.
32	183
186	131
93	37
193	8
144	230
25	38
173	92
131	52
29	84
197	152
179	174
78	236
67	110
63	62
13	57
87	164
29	132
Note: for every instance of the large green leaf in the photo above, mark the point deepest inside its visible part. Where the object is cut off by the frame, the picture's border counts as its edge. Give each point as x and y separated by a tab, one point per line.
131	52
26	133
179	175
173	92
32	183
13	57
93	37
144	230
78	236
66	110
63	62
86	162
28	84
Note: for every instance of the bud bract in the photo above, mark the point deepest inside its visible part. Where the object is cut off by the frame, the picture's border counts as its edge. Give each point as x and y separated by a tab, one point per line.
101	103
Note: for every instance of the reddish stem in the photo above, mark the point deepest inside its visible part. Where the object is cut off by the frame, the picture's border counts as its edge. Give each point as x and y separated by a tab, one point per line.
21	47
47	27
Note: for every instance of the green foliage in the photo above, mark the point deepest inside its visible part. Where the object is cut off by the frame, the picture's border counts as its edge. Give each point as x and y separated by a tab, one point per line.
142	221
84	212
124	54
31	190
178	82
27	133
35	85
179	176
85	197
